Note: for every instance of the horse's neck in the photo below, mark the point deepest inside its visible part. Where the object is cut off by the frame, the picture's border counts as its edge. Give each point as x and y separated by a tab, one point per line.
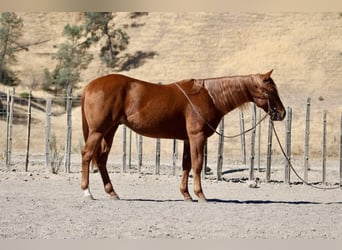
228	93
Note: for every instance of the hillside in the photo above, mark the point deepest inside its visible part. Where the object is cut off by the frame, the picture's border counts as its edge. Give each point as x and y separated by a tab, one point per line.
304	49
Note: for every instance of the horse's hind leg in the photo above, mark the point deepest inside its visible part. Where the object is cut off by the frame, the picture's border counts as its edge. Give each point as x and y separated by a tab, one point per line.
103	152
186	164
88	150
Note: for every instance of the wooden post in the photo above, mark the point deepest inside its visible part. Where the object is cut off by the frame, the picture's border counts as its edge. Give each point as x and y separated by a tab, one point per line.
243	137
174	156
10	127
7	116
259	142
205	158
124	143
67	152
7	125
324	149
28	132
140	152
307	138
288	145
251	166
269	152
130	149
220	151
47	134
157	172
341	152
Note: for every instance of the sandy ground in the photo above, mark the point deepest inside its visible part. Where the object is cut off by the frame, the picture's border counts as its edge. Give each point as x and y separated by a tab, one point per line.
304	50
41	205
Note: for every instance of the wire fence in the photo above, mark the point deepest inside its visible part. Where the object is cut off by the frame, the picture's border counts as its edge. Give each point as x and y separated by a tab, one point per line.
45	134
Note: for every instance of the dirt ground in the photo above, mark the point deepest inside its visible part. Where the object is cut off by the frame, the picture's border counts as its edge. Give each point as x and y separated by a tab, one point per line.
303	48
41	205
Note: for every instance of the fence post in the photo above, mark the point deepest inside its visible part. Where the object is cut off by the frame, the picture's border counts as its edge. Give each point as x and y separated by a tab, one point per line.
174	156
243	137
140	152
259	142
10	104
220	151
130	149
157	172
251	166
288	145
69	130
341	152
324	149
269	151
307	138
28	131
47	134
124	143
7	125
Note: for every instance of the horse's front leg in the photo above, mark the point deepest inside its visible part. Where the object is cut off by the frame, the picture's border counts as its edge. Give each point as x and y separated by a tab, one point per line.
186	164
196	151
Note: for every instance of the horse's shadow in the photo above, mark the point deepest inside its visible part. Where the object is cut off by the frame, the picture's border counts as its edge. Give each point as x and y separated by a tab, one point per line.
253	202
261	202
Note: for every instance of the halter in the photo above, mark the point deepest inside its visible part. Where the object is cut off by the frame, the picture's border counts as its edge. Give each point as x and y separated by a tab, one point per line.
272	111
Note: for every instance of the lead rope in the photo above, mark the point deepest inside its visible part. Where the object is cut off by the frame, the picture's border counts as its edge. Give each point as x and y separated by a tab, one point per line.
293	169
209	125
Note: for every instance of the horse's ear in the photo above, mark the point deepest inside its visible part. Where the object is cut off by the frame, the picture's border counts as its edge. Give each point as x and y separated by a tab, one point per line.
268	75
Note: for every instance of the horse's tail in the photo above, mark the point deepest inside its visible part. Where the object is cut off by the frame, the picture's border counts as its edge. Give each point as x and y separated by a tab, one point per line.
85	128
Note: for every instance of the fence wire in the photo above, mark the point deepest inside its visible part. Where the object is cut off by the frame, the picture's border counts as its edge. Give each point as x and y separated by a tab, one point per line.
235	156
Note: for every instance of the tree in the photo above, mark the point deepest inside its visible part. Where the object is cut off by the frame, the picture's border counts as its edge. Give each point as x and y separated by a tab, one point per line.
10	33
100	25
72	57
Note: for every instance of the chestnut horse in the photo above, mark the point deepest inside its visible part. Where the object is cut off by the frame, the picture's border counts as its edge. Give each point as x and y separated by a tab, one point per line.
187	110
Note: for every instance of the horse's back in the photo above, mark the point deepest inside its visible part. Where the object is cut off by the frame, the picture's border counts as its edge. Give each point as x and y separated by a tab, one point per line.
107	82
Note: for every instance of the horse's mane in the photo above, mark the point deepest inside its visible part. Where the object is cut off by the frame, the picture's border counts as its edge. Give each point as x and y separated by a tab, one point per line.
229	92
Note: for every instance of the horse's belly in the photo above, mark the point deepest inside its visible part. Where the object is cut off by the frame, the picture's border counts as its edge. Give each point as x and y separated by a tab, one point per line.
155	127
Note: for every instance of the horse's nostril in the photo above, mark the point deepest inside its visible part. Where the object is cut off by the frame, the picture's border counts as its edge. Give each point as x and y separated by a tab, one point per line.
277	116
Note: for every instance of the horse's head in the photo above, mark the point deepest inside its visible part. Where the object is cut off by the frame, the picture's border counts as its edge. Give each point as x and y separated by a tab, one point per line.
265	95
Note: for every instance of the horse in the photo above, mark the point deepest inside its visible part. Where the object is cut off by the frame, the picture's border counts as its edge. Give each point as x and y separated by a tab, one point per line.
188	110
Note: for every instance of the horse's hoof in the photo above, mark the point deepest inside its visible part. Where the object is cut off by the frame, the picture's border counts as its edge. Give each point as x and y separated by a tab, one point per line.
89	197
188	199
202	200
115	198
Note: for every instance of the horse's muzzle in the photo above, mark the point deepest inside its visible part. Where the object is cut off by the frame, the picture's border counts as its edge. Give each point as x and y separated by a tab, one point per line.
277	115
